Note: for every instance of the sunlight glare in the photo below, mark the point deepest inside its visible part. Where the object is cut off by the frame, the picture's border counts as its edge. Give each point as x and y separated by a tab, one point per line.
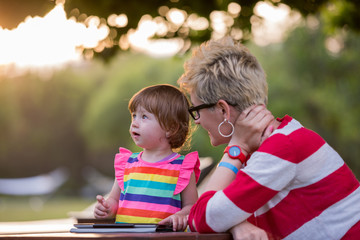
197	23
234	9
334	44
118	20
162	26
270	23
220	22
140	39
271	13
176	16
49	41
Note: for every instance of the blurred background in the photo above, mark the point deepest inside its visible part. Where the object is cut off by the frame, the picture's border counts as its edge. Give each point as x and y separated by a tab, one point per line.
68	69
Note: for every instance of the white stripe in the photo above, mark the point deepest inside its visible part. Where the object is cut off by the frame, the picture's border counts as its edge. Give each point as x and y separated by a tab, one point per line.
270	171
272	202
317	166
222	213
334	222
292	126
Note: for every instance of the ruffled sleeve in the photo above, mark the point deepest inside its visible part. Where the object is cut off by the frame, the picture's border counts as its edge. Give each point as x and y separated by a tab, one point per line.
119	165
190	164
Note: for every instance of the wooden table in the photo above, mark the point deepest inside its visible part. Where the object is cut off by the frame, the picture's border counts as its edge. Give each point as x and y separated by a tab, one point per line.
60	229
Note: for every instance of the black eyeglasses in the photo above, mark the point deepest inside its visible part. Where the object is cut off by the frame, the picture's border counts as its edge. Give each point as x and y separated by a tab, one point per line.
194	111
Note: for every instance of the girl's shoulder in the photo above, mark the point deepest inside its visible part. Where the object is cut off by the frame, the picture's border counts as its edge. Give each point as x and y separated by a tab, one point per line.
188	161
125	155
192	156
190	164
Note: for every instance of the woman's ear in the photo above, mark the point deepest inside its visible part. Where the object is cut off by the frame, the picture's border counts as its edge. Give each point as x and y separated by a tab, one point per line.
225	108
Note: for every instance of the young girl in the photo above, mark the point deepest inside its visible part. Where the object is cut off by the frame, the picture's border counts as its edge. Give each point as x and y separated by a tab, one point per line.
156	185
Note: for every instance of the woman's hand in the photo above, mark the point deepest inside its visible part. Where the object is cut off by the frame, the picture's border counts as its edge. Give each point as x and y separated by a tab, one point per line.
252	127
247	231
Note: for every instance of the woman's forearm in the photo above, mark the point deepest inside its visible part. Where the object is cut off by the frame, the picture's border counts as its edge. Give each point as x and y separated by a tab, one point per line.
222	176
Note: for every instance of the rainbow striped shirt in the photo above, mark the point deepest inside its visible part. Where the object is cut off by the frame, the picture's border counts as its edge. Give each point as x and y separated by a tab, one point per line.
150	192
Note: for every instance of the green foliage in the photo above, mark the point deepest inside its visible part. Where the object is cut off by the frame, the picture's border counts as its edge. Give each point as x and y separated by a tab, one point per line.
40	125
341	13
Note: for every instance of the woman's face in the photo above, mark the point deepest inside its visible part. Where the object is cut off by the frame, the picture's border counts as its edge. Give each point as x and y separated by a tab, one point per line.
210	118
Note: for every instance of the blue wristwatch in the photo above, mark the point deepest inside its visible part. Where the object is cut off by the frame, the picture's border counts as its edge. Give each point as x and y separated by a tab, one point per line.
235	152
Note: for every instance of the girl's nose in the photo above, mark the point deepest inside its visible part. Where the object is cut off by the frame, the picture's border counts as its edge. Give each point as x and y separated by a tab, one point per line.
134	123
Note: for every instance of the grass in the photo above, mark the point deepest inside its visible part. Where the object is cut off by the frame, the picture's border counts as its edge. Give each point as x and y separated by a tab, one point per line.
39	208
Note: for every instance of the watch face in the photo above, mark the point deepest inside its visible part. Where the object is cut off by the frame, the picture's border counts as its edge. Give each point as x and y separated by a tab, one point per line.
234	151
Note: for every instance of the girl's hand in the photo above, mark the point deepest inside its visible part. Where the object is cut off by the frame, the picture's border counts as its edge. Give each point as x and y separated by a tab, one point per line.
252	127
177	220
102	208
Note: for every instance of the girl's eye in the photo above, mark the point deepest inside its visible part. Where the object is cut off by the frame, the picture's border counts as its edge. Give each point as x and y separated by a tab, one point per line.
133	115
144	117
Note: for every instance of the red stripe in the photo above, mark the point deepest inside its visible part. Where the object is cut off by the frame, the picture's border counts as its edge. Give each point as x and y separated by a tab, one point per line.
284	121
303	204
198	214
353	233
299	138
151	170
248	194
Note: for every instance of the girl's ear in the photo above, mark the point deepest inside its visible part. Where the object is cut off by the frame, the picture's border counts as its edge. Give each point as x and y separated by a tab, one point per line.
172	131
225	109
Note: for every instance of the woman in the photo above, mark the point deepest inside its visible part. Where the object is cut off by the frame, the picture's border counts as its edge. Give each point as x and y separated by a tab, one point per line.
275	176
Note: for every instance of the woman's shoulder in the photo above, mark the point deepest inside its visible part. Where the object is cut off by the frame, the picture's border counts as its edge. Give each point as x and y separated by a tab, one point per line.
293	131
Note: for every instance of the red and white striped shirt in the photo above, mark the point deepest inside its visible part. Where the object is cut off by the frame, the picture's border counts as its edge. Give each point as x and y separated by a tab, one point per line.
295	186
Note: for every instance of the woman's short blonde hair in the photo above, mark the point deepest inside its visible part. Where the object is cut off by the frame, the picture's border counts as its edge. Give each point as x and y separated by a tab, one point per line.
225	69
170	107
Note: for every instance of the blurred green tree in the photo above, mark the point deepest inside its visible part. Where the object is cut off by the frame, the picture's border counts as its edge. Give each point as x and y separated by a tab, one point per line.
40	124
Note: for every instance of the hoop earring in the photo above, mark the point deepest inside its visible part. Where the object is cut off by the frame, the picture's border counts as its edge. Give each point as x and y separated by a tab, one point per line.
232	128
